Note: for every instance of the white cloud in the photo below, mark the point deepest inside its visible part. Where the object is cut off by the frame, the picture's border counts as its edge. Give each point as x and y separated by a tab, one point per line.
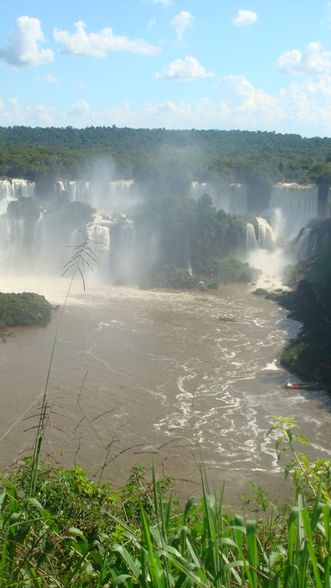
186	69
304	107
308	105
314	59
163	2
249	103
100	44
245	18
80	108
51	79
16	114
23	46
151	23
181	22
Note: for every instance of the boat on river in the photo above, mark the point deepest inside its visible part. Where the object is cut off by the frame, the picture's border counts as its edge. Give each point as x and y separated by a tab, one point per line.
299	386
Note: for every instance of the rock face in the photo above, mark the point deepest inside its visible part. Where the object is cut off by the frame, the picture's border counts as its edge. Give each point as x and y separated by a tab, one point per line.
314	239
309	354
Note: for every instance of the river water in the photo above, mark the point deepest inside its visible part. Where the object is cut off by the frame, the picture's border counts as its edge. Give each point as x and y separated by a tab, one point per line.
155	377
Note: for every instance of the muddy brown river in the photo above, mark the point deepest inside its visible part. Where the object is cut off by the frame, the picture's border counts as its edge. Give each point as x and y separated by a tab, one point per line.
155	377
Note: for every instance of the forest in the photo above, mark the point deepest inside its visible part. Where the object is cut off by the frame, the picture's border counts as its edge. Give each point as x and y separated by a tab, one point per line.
173	157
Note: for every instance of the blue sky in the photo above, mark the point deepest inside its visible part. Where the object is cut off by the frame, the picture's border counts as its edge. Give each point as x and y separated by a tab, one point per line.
225	64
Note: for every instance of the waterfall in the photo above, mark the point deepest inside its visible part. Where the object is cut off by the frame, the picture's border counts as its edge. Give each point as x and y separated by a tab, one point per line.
230	197
251	241
197	189
122	251
262	237
98	231
263	254
297	203
105	196
265	235
238	199
76	190
13	190
305	244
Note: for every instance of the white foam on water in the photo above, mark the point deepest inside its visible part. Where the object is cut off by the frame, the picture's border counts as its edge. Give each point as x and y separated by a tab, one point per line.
272	366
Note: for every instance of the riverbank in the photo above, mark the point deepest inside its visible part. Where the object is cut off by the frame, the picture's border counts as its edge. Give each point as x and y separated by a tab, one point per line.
309	301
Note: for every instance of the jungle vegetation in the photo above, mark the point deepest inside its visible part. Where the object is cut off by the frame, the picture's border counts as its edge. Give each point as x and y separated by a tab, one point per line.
165	159
23	310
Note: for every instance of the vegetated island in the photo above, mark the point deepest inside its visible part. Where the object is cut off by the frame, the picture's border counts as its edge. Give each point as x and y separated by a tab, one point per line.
26	309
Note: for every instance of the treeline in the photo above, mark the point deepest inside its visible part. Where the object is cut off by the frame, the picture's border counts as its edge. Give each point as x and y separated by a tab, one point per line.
164	158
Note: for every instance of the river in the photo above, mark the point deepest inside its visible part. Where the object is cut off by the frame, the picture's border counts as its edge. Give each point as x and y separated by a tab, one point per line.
155	377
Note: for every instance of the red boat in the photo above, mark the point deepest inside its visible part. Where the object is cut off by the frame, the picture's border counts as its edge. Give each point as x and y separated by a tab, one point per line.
298	386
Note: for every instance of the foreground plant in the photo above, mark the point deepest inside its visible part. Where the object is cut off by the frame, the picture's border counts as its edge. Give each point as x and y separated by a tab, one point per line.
73	532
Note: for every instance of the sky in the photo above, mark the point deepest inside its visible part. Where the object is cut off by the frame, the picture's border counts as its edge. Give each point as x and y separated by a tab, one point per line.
176	64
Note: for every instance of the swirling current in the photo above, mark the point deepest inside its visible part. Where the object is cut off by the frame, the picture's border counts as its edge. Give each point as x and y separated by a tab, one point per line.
158	377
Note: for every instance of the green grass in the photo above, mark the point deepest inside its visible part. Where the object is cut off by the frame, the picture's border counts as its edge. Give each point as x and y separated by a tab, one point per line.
76	533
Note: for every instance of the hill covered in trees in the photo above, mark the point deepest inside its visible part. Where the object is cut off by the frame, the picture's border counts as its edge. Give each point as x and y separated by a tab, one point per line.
173	157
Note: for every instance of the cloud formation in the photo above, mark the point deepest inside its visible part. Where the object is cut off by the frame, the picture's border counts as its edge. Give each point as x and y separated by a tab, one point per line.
313	60
245	18
100	44
187	69
163	2
51	79
80	108
15	113
23	46
304	107
181	22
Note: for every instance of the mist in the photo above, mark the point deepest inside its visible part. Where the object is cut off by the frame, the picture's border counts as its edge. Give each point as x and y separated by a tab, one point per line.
150	223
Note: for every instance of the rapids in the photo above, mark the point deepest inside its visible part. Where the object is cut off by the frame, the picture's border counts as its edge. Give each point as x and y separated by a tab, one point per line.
155	377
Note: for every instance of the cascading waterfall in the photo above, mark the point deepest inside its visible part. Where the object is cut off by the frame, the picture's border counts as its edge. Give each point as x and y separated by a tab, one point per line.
122	258
13	190
34	234
296	203
265	235
230	197
305	244
251	240
264	254
15	233
111	231
75	190
197	189
291	207
262	237
99	231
